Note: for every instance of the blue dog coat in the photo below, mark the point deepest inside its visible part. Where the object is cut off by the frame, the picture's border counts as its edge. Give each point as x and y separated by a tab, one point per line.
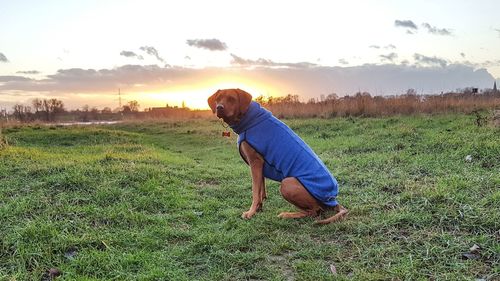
285	153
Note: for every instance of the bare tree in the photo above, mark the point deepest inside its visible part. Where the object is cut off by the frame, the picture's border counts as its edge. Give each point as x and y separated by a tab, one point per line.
46	109
57	106
52	108
22	112
133	106
37	105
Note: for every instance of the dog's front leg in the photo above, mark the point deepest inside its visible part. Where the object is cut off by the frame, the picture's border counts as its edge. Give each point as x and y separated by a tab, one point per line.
257	189
256	163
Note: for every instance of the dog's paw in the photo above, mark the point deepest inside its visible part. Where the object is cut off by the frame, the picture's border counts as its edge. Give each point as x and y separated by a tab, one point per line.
284	215
247	215
293	215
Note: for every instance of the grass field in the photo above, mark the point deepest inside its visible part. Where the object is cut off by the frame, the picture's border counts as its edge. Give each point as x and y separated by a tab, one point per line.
162	201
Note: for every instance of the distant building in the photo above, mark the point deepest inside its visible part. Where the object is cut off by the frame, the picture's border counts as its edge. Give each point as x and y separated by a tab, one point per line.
168	111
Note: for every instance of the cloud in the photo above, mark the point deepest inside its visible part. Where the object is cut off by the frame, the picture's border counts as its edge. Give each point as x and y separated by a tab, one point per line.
12	78
268	63
308	82
153	52
343	61
78	80
29	72
130	54
390	46
3	58
487	63
390	57
431	61
411	28
405	23
209	44
377	79
436	31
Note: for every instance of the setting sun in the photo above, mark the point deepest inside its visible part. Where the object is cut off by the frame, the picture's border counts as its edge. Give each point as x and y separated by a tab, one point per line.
195	96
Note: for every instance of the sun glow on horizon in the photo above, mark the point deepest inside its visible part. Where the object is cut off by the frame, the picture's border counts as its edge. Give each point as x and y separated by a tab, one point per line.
194	96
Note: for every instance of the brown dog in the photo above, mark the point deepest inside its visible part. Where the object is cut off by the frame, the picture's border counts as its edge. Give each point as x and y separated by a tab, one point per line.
236	108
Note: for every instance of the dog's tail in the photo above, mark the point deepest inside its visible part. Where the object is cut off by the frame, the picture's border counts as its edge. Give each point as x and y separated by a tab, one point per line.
341	213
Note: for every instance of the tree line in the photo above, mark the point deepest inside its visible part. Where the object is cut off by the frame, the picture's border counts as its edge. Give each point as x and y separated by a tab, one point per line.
42	109
50	110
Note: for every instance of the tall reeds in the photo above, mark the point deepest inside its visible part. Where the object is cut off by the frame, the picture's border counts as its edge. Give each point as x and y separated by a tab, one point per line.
363	104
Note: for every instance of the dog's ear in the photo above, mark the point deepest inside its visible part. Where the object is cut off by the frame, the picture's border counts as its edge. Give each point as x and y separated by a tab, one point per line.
245	99
211	101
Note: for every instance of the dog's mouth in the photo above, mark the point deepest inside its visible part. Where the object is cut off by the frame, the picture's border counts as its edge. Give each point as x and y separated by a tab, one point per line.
228	119
220	113
223	113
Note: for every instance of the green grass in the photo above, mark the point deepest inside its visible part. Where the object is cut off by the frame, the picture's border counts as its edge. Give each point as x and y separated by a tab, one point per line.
162	201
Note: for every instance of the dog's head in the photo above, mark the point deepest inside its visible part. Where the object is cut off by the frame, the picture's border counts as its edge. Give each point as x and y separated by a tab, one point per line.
230	104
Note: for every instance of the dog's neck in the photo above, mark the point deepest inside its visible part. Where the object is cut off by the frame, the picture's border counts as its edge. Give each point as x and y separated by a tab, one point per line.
234	120
252	116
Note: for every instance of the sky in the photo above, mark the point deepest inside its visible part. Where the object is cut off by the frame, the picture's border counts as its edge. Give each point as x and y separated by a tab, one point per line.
169	52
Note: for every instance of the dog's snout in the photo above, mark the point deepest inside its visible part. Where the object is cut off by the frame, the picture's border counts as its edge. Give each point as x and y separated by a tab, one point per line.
220	107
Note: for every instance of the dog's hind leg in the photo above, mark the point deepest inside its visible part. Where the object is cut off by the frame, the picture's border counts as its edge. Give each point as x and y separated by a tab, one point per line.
341	213
294	192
